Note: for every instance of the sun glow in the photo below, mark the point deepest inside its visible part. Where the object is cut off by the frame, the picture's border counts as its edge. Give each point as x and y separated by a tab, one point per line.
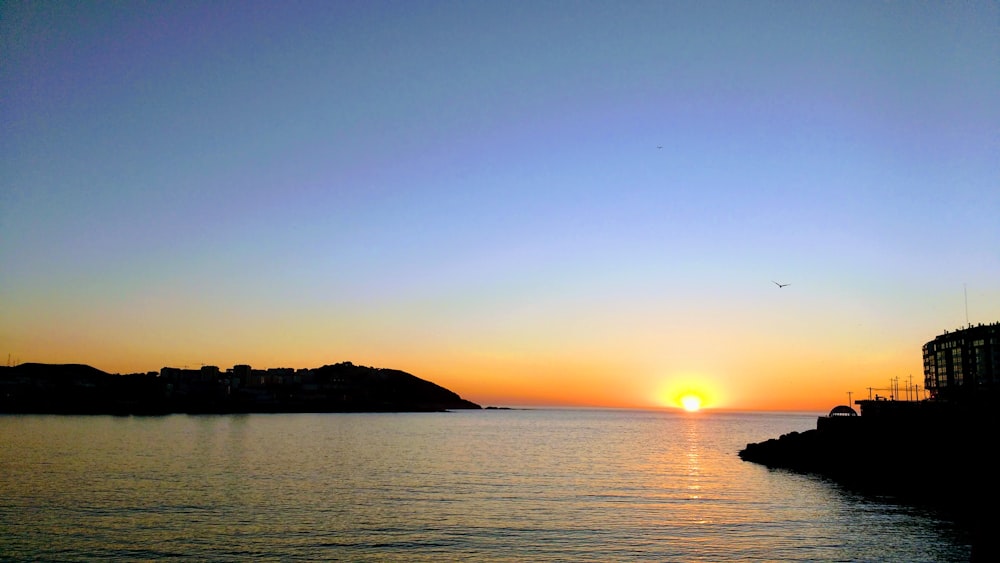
692	393
691	402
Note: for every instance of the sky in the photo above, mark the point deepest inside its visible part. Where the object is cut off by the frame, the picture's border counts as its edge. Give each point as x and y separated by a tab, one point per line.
529	203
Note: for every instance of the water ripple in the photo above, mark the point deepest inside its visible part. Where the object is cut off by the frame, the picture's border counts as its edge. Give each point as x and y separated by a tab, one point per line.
500	486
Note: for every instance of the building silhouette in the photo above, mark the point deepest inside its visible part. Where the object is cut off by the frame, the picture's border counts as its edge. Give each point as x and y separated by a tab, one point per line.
964	364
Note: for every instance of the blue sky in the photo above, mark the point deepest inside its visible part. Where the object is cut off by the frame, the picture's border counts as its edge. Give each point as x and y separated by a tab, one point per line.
474	191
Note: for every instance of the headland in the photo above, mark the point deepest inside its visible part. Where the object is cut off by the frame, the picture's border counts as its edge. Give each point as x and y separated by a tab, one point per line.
33	388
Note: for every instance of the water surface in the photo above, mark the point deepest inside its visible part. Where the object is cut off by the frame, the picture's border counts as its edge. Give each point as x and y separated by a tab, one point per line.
497	485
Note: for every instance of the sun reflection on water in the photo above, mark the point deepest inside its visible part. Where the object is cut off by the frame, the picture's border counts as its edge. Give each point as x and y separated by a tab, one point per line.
509	485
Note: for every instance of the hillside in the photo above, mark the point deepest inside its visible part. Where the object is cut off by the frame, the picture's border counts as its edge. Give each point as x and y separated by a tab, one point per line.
343	387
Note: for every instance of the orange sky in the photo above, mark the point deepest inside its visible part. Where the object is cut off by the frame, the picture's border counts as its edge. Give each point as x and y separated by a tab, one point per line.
528	207
807	375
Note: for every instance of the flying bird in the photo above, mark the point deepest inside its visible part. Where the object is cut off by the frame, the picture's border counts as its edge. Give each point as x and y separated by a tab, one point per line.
780	285
659	146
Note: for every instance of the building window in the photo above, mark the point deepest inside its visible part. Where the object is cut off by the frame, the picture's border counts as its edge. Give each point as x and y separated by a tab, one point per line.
956	366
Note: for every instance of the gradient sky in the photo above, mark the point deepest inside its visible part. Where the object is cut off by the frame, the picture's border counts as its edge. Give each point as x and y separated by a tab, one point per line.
475	193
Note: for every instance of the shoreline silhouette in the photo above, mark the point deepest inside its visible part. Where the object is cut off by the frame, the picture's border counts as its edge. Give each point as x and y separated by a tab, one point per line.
35	388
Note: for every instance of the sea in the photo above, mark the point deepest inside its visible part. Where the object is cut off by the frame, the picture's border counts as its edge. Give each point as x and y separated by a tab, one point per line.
489	485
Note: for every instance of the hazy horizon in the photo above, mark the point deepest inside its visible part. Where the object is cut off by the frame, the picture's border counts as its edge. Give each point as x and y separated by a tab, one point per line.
584	203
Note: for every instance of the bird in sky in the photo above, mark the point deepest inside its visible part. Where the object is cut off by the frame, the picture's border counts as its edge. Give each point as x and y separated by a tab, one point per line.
659	146
780	285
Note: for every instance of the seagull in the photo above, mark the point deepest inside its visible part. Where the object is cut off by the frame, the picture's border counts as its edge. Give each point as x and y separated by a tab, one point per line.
780	285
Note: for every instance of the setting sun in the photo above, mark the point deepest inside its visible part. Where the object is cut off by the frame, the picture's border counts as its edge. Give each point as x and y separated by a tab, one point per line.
691	402
691	392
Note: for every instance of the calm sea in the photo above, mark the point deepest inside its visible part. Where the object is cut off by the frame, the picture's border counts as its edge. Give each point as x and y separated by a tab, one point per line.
497	485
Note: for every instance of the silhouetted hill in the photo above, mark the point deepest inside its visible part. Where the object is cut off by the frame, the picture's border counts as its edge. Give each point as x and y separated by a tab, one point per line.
343	387
378	389
58	371
57	388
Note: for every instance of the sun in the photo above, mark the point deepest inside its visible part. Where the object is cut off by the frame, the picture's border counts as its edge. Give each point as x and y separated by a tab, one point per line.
691	402
692	392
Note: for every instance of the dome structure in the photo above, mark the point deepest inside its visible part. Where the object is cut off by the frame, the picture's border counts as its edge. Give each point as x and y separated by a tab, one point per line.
843	410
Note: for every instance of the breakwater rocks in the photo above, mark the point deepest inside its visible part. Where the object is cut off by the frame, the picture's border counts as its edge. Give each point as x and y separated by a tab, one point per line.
938	455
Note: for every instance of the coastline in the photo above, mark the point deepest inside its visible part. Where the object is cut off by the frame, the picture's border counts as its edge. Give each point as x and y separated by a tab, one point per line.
930	454
343	387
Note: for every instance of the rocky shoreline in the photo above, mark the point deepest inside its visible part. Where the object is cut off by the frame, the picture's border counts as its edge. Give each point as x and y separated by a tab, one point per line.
936	455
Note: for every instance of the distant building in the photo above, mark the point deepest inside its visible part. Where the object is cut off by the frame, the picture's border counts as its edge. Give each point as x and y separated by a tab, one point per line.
964	363
240	375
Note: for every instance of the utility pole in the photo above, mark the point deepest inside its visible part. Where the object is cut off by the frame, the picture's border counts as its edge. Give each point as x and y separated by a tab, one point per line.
849	402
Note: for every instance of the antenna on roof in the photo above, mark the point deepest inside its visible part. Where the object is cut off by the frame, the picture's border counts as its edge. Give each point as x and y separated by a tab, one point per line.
966	291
